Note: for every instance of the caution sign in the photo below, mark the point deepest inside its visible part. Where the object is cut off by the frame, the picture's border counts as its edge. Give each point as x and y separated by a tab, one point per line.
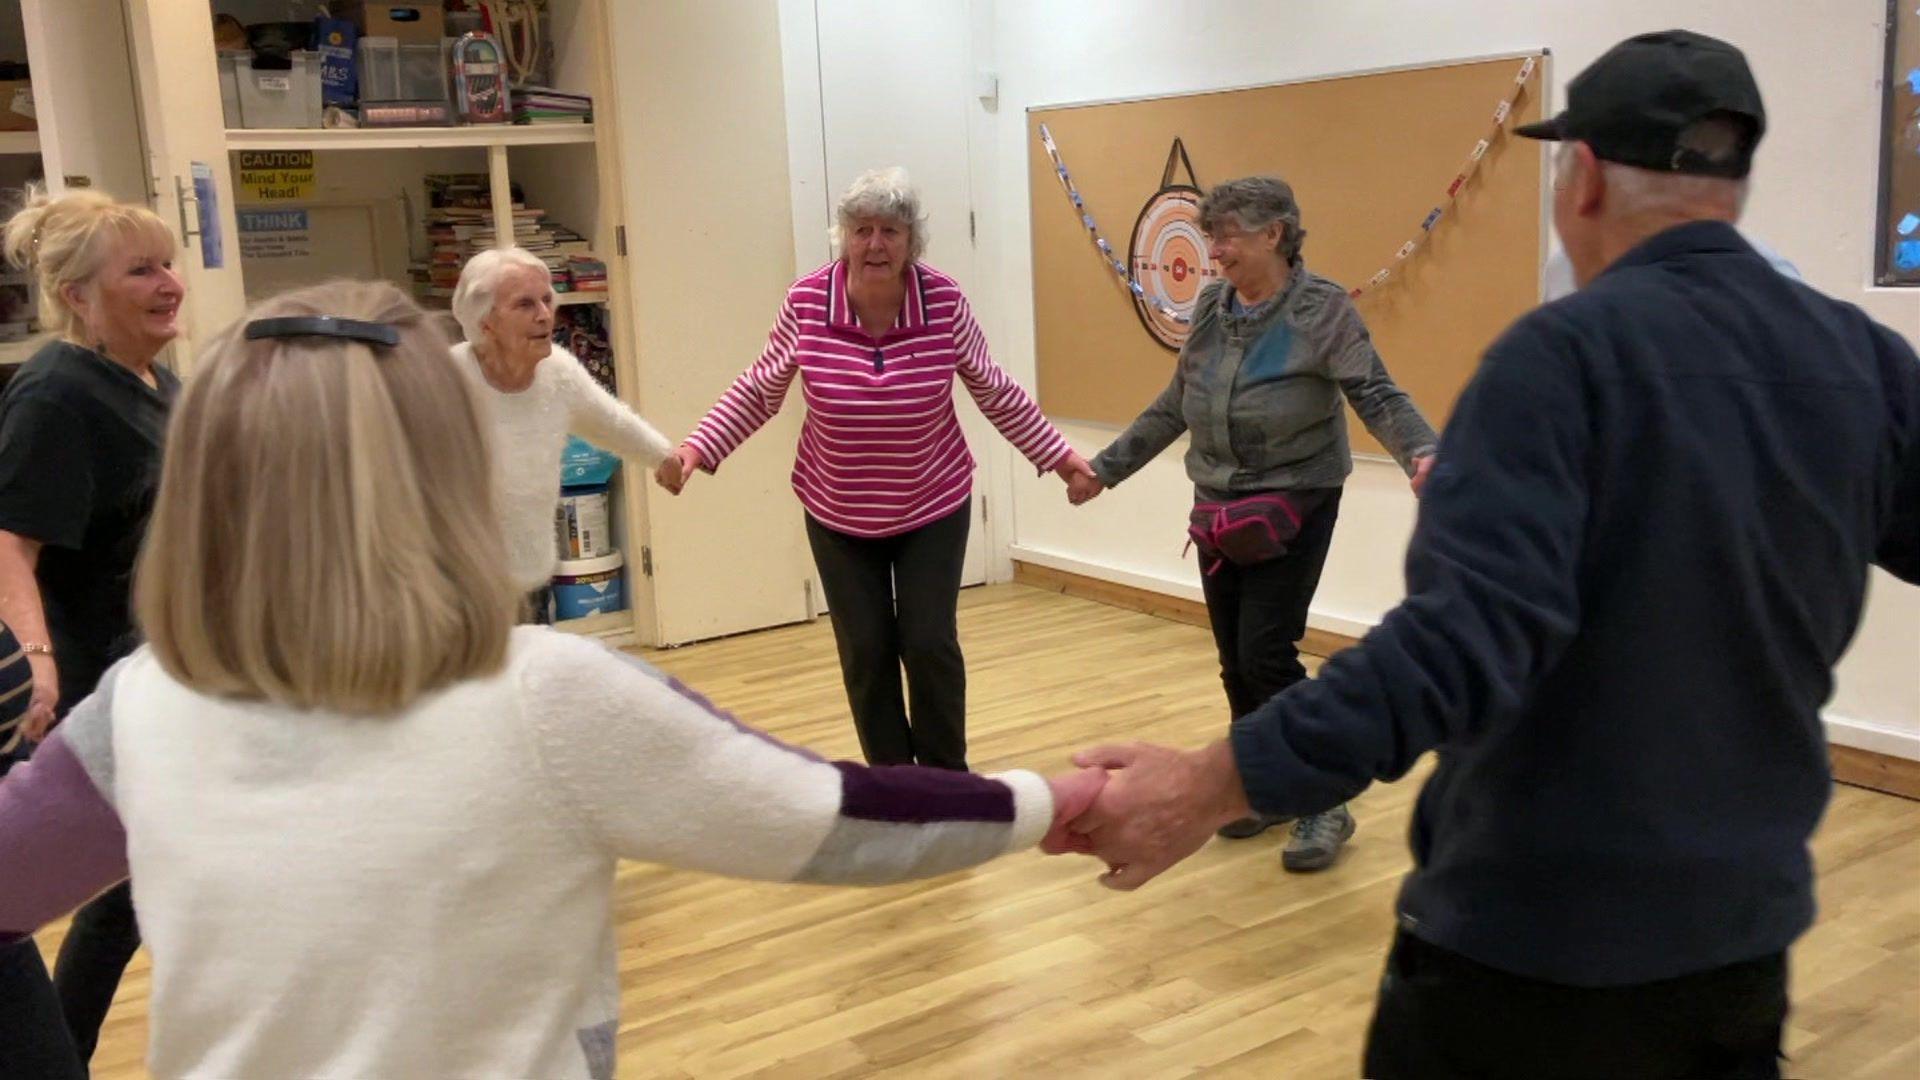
276	175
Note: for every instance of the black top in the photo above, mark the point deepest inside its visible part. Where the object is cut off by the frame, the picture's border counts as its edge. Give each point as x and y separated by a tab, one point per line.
1644	545
80	441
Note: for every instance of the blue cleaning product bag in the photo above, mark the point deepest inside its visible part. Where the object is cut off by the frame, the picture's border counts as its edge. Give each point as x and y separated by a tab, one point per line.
339	78
584	465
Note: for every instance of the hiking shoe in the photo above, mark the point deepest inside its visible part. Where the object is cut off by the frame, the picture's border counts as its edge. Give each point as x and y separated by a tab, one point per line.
1317	840
1248	827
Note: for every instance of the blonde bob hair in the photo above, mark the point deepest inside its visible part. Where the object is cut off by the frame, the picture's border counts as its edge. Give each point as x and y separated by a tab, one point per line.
324	534
66	240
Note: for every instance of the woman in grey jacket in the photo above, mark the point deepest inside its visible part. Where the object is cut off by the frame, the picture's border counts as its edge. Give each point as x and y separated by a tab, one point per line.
1273	352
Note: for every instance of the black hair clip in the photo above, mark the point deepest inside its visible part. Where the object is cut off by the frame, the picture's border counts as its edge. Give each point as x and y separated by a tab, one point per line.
323	326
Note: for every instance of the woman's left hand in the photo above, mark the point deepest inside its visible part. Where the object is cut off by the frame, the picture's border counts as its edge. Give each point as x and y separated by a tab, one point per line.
1421	467
45	697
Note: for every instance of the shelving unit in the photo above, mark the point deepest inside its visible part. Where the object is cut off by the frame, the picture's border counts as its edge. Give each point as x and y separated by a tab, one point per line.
610	624
474	135
20	164
19	352
563	168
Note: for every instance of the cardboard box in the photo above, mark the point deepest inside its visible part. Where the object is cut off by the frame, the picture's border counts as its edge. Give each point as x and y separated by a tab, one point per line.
16	106
413	23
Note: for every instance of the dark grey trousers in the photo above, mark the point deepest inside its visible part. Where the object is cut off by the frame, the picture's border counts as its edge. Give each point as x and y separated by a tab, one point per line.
893	602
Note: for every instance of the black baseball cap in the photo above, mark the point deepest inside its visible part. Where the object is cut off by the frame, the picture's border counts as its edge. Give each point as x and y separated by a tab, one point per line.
1634	104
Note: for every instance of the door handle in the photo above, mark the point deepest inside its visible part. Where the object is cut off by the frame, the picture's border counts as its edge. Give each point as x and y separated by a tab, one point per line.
183	194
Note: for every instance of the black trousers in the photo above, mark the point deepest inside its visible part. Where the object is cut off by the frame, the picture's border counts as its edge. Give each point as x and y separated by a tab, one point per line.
33	1035
894	601
1443	1015
1259	612
535	609
100	942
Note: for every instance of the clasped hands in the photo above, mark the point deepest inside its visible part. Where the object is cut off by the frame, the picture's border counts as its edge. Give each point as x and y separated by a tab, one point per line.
678	468
1082	484
1141	808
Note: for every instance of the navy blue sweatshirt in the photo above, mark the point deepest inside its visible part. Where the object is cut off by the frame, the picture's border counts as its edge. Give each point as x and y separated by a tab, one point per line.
1644	545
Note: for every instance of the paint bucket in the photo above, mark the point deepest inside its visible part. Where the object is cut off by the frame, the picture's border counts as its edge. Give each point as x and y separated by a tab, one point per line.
583	587
583	523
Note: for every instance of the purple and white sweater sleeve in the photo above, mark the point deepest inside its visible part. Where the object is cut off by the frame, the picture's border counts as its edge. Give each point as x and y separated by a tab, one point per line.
650	770
60	838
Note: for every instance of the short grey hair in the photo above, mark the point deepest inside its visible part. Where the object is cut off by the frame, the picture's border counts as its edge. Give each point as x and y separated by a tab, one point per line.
1717	142
882	193
480	280
1637	192
1255	202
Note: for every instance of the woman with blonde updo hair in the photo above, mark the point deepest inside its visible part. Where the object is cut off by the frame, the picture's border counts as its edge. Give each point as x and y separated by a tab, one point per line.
81	426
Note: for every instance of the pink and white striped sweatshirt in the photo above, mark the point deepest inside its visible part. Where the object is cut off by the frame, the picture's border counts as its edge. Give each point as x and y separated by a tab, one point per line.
881	450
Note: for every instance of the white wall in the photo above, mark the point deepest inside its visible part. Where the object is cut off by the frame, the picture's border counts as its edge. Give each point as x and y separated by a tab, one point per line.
1818	66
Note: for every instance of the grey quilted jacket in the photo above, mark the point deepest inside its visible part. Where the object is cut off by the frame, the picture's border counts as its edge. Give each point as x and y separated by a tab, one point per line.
1262	391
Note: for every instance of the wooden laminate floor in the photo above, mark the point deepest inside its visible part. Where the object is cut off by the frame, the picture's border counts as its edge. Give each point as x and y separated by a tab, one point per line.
1224	967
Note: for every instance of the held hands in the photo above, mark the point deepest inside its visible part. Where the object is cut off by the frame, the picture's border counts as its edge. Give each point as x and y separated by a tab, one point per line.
677	469
1082	484
1157	807
1073	795
1422	466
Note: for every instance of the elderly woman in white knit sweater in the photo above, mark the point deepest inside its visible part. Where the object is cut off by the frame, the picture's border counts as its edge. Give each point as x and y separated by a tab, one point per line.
539	393
371	825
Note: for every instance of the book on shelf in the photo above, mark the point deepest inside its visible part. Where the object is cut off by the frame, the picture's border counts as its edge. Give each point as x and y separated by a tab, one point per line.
536	92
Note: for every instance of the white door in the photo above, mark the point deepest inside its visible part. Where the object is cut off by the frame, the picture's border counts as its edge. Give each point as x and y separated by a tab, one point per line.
701	125
178	82
84	98
895	82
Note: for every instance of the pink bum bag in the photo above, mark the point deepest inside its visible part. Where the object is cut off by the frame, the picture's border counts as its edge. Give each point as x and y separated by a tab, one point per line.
1249	531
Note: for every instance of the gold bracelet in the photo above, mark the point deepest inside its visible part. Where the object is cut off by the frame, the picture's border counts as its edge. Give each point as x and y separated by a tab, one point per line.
36	647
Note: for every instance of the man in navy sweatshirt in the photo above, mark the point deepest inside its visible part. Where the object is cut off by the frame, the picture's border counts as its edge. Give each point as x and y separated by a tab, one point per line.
1644	545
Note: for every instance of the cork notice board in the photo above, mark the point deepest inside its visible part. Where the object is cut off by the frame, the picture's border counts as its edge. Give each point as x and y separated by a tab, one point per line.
1368	156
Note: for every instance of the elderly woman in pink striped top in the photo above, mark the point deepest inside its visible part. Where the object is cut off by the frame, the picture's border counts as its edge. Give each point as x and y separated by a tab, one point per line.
883	470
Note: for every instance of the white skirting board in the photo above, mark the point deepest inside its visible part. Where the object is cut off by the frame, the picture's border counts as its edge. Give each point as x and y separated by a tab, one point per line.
1841	730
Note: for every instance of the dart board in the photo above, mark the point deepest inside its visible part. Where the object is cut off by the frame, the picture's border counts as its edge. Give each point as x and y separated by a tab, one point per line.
1168	255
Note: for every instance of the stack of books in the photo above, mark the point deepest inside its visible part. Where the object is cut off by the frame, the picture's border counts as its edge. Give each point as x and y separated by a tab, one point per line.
460	224
544	105
586	273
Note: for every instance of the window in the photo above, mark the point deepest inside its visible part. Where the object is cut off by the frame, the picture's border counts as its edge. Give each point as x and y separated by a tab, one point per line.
1897	250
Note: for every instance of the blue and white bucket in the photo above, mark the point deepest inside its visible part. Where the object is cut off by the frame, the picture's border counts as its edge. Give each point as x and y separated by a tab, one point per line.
583	523
583	587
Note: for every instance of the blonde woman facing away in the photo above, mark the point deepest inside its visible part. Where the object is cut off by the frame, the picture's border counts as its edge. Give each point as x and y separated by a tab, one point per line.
372	825
536	392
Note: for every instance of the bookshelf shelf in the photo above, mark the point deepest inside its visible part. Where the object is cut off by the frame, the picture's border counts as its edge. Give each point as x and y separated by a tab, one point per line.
610	624
407	138
19	352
